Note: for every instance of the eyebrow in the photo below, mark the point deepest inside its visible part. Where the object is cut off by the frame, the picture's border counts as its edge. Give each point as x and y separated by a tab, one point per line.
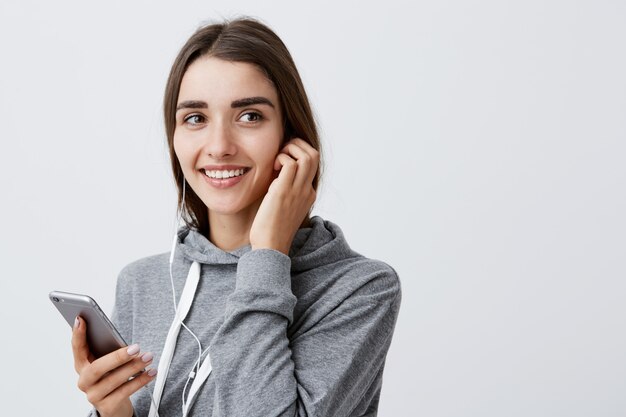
192	104
248	101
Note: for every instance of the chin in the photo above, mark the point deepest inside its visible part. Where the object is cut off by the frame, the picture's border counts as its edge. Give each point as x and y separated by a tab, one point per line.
228	208
225	208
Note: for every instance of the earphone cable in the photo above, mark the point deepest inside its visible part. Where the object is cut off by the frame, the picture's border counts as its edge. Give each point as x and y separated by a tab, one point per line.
176	310
156	408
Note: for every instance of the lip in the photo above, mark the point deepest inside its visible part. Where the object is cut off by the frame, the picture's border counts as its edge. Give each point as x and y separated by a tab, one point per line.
223	167
223	182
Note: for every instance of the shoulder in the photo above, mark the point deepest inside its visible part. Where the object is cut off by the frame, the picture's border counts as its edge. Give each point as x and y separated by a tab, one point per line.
331	263
142	269
353	278
372	278
354	292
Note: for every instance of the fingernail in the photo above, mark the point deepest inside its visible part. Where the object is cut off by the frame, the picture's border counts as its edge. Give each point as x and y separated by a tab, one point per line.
133	349
152	372
147	357
76	322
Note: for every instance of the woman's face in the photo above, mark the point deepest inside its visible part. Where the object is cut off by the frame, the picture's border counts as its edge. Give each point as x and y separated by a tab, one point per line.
228	133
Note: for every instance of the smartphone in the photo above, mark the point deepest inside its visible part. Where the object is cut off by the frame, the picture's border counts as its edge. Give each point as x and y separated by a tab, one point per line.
102	336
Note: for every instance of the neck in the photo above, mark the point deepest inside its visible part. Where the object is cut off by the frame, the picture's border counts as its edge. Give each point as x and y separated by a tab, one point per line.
231	231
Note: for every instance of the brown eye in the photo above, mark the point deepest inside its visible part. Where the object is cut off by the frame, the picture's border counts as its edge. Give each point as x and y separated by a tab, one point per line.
251	117
194	119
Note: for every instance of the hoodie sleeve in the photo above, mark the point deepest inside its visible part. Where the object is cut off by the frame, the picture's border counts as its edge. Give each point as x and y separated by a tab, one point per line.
326	371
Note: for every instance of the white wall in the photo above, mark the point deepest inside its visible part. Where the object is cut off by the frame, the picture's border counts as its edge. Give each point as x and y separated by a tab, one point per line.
478	147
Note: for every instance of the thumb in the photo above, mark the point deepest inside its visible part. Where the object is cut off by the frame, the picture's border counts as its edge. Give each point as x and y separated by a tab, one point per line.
80	349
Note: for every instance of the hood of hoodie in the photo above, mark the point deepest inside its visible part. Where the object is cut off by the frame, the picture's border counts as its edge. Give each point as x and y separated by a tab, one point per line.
320	244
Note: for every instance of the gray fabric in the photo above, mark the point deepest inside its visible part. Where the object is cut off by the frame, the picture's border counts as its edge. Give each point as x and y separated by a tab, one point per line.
299	335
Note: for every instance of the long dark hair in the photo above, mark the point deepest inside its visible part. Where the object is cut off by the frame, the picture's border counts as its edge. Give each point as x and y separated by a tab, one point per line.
240	40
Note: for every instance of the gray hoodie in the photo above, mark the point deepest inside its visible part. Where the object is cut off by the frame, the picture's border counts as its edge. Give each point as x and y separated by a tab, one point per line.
299	335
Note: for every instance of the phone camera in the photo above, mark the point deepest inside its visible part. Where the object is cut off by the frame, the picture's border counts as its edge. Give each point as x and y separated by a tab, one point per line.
55	299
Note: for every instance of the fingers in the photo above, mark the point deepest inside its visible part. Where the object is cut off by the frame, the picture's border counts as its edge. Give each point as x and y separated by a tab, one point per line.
118	378
306	160
129	388
110	380
80	349
288	168
122	374
89	376
117	402
288	199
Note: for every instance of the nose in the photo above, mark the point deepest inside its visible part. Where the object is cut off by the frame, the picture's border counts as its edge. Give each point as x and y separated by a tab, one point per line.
219	143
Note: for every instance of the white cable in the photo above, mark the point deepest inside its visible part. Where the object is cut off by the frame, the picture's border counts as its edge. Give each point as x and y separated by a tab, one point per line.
153	402
178	214
156	408
174	301
184	390
200	370
176	310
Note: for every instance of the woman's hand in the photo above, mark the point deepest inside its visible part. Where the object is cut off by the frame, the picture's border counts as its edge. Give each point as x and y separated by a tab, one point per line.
106	380
288	199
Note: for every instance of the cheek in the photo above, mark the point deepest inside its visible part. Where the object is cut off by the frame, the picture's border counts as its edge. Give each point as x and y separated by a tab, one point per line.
183	153
269	151
266	159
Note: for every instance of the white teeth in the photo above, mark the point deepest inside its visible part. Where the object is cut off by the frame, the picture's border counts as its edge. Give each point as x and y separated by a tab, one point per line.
224	174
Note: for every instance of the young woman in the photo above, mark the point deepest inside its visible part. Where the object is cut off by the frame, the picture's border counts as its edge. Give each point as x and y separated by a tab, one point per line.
260	309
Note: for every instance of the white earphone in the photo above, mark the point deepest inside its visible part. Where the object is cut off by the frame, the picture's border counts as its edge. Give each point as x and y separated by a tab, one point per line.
200	368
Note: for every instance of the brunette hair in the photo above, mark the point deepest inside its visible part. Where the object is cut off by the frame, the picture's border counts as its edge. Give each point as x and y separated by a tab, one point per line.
241	40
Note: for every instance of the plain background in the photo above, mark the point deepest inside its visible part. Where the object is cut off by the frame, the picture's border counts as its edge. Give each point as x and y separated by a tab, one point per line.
476	146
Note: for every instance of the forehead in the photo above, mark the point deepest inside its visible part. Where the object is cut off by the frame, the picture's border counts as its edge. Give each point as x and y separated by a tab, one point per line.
218	81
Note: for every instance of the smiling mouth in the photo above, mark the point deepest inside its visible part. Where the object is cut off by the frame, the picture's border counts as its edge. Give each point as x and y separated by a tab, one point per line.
225	174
